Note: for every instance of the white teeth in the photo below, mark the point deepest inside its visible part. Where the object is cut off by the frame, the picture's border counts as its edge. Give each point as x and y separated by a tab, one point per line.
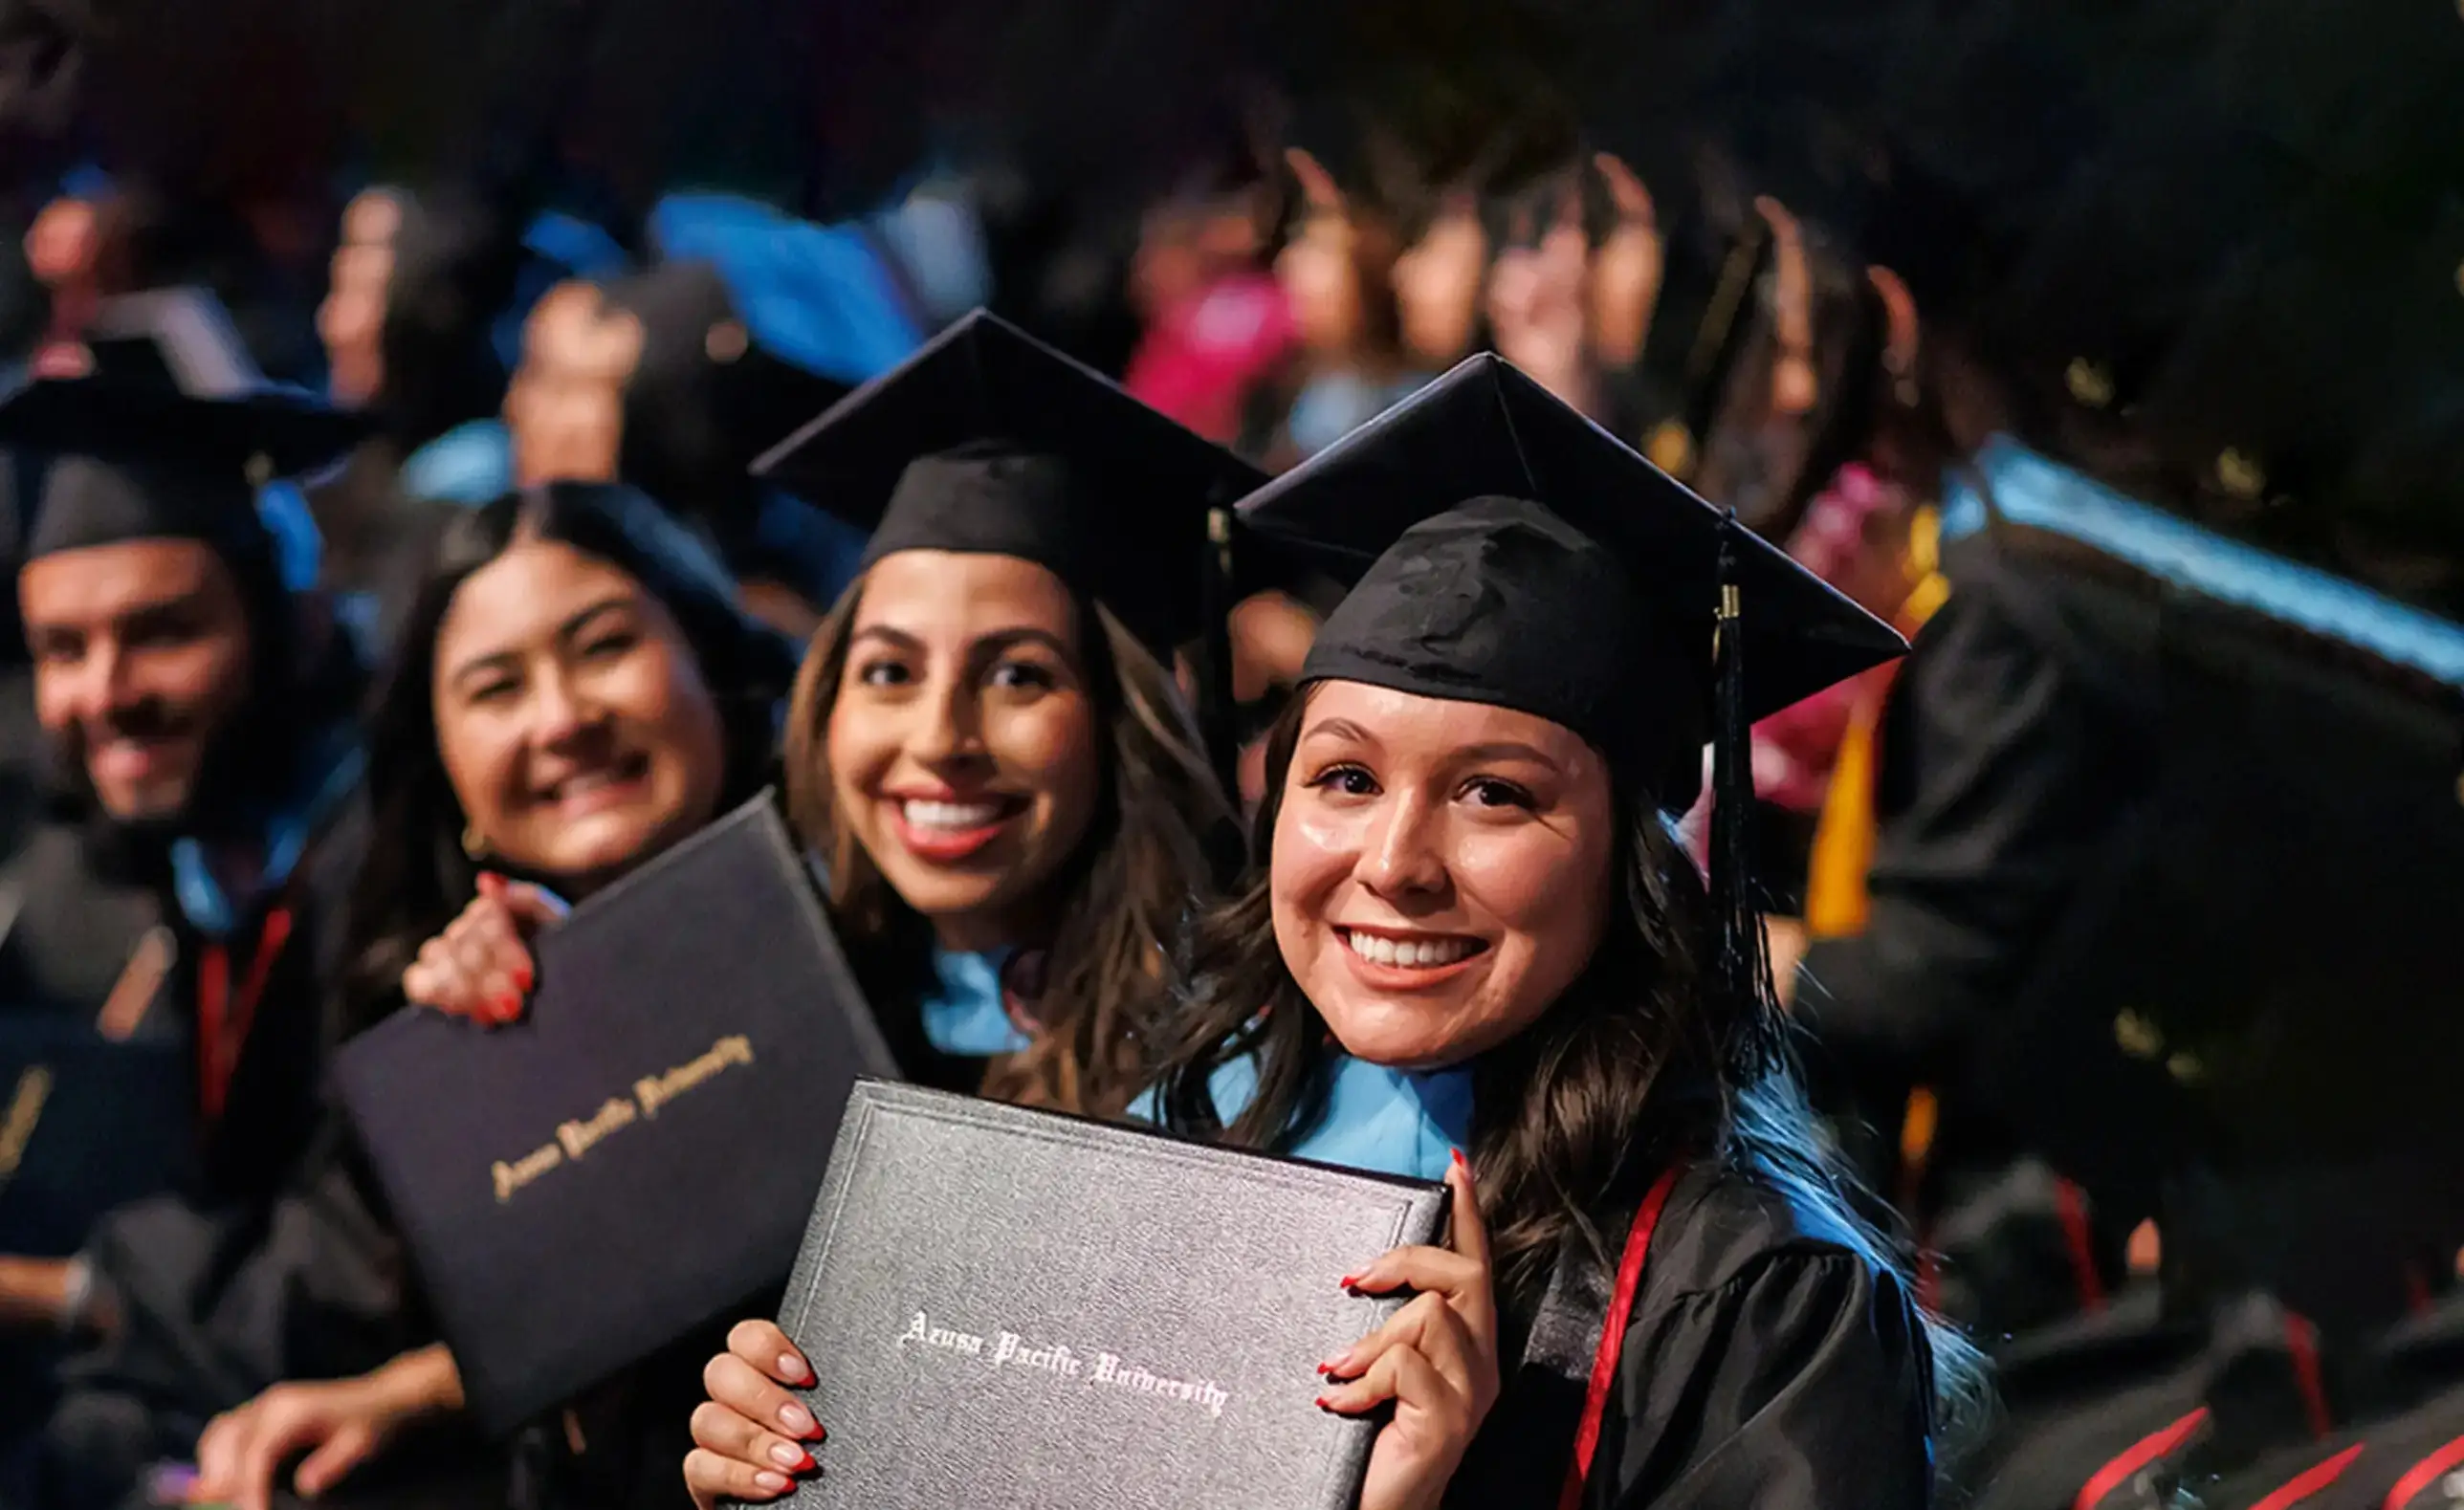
584	782
956	817
1408	954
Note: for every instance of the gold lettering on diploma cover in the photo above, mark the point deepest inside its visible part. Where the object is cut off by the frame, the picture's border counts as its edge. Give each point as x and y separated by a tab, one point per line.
657	1090
576	1138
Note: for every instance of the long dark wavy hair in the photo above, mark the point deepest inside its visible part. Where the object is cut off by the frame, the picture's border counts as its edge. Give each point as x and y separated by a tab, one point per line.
1163	841
417	878
1639	1063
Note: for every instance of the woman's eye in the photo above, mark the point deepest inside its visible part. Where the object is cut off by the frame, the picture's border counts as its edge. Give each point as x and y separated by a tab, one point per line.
1020	675
883	673
495	691
1489	792
608	647
1351	781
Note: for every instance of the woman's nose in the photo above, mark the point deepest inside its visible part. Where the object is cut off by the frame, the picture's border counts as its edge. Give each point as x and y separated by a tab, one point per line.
562	709
948	728
1403	855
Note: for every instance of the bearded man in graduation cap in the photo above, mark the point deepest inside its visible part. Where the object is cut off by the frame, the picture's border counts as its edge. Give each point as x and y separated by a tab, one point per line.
200	710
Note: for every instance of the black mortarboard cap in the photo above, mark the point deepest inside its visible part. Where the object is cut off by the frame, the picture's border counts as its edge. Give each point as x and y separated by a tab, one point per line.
170	434
987	441
1522	557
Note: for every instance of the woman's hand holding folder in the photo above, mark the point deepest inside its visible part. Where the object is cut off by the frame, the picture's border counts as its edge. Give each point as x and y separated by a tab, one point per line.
480	967
749	1435
1436	1359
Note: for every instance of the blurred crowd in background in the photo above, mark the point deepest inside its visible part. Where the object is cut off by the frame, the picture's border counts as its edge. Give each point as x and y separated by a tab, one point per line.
2114	351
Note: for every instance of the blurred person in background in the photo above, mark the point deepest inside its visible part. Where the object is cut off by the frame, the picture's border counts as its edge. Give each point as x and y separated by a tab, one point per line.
678	377
1337	270
199	703
1219	324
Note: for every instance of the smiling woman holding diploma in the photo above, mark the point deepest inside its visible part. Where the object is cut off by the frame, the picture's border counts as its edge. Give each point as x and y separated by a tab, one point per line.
1475	949
577	694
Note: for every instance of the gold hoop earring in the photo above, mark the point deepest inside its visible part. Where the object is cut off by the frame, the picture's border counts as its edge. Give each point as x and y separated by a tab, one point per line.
472	846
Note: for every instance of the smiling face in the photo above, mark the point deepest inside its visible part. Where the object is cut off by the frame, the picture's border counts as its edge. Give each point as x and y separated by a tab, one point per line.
141	654
572	717
962	744
1440	871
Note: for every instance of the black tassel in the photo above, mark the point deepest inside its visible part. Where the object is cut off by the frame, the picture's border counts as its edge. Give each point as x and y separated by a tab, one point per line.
1740	966
1218	722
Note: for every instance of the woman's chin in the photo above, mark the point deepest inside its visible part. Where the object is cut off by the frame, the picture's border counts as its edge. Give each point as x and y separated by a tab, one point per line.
1414	1041
604	847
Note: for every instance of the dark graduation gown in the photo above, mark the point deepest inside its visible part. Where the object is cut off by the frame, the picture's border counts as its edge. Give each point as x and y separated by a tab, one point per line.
1763	1362
273	1264
2016	748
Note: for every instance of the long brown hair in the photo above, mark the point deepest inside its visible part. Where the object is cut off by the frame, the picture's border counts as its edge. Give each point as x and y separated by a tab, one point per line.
1639	1063
1163	842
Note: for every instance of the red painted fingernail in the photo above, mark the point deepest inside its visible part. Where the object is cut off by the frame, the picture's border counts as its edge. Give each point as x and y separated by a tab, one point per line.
490	883
1347	1282
1326	1368
508	1007
1459	1163
1323	1404
523	980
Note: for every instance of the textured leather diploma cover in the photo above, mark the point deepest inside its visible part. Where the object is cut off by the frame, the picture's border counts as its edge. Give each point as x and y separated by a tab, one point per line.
1016	1309
635	1156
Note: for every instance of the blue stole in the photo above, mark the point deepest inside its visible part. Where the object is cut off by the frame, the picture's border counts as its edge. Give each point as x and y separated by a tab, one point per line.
2030	490
965	1014
1384	1121
328	771
471	463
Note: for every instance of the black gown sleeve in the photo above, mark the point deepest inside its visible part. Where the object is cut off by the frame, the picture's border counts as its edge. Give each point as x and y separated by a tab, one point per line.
1991	803
1803	1382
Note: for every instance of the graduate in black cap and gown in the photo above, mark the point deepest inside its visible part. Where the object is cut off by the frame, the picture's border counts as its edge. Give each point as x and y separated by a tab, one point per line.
417	282
1475	954
204	712
991	453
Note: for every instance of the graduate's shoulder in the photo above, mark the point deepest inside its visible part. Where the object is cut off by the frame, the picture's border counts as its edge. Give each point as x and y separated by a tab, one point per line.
1725	1228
